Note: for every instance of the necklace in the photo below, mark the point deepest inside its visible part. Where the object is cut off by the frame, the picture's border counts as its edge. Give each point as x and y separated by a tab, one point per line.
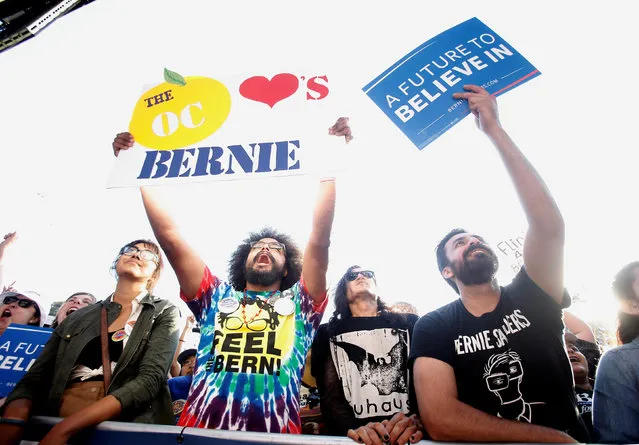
258	312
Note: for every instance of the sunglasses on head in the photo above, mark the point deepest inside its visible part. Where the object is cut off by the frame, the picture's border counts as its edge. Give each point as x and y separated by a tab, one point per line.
365	273
23	303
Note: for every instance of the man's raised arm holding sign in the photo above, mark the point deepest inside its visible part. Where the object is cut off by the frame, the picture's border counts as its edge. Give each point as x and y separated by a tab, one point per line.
491	366
257	328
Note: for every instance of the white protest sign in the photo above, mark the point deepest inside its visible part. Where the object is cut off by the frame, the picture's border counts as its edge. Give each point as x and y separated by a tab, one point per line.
215	127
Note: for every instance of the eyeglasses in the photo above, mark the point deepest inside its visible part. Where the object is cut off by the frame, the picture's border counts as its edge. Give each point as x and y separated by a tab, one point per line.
235	323
146	255
365	273
23	303
273	245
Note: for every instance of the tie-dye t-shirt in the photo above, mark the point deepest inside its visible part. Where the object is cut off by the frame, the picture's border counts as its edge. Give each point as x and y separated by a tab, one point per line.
250	358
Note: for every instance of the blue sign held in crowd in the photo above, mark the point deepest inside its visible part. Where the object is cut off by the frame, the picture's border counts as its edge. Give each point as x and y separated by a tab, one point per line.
20	346
416	92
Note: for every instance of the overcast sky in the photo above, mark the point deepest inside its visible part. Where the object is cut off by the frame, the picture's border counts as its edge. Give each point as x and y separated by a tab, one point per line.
68	91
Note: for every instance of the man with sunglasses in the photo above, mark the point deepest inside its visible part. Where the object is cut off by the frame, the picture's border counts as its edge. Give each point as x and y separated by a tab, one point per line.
491	366
21	308
256	328
360	362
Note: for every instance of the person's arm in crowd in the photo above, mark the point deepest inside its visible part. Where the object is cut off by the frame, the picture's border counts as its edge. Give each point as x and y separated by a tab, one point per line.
7	241
315	263
136	393
104	409
337	414
187	264
447	419
32	389
544	243
316	253
579	327
175	366
615	408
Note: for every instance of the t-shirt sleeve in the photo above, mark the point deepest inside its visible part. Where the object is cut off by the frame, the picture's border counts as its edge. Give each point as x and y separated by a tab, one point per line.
537	303
432	338
311	312
203	300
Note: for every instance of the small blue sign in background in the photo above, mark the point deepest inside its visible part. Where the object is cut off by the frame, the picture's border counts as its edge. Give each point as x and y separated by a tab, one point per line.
416	92
20	346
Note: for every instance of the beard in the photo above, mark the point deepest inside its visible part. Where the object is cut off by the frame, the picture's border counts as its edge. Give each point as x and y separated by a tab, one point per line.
479	269
264	277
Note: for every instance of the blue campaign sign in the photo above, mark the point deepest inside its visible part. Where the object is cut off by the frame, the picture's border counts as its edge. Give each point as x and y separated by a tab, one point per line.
416	92
20	346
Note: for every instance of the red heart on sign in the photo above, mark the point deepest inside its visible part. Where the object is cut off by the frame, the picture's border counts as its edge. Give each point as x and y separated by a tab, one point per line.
270	92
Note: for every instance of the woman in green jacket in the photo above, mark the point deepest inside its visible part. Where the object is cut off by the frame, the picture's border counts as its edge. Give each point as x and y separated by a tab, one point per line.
140	333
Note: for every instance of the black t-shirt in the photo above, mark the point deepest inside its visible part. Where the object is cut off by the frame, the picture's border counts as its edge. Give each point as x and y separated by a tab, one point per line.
584	404
91	355
361	368
510	362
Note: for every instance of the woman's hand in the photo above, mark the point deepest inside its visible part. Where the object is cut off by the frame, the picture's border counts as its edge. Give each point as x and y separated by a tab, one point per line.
403	429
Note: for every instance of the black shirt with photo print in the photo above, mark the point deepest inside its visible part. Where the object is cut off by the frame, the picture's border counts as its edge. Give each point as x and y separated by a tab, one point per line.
362	371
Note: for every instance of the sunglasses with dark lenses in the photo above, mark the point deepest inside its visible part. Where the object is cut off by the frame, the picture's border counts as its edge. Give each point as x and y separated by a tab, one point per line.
21	302
365	273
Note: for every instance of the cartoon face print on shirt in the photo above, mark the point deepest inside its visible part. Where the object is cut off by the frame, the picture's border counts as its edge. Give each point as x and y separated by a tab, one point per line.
503	374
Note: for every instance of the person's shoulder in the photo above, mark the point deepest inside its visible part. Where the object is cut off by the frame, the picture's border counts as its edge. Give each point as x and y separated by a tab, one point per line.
440	316
523	286
445	310
622	352
162	305
321	335
402	319
162	302
322	329
180	379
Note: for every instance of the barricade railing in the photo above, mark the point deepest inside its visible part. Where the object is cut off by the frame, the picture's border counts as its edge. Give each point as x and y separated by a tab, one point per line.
124	433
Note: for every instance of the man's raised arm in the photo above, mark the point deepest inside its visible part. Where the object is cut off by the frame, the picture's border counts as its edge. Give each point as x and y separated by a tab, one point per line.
316	252
544	245
449	420
187	264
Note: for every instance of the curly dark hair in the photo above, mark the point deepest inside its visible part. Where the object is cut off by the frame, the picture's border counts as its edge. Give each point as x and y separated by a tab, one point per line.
342	310
237	263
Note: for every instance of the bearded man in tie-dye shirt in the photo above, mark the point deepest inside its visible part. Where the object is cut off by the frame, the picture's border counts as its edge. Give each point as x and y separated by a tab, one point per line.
256	328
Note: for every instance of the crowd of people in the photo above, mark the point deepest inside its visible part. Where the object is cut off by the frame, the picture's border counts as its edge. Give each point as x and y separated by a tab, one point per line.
498	364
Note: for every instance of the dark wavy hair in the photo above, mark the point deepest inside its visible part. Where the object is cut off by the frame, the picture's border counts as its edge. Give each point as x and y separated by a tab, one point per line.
442	259
293	264
622	284
628	327
153	247
342	310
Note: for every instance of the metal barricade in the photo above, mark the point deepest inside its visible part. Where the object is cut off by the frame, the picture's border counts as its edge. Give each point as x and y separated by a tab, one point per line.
124	433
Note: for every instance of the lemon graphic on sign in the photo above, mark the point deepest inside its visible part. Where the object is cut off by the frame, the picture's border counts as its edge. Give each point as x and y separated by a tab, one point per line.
180	111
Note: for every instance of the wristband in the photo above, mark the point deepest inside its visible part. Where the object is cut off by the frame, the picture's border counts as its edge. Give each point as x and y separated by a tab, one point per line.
11	421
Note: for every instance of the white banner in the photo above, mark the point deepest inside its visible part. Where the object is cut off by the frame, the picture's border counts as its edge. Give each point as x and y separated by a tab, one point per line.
197	128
